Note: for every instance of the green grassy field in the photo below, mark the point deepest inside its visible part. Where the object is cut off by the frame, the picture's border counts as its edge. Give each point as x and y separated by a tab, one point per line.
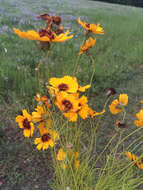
119	63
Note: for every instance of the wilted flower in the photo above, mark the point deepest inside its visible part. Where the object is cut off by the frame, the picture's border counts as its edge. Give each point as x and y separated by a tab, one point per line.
43	100
110	91
43	36
121	125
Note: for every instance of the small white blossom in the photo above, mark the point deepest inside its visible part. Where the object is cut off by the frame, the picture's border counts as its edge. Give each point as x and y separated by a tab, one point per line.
5	50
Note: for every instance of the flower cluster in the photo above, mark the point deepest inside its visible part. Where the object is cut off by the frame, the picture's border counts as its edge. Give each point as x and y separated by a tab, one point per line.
66	94
66	91
90	29
42	117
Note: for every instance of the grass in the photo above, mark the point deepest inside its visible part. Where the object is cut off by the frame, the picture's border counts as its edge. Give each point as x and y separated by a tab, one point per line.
118	60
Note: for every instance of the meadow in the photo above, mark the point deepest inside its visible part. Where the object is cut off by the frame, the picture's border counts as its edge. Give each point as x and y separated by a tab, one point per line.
118	64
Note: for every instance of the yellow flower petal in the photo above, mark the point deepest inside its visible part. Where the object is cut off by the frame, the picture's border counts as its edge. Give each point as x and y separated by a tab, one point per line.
32	35
71	116
94	28
139	122
114	107
83	88
123	99
39	146
61	154
37	141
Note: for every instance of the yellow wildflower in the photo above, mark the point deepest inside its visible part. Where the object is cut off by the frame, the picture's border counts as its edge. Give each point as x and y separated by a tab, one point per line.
139	122
66	83
41	116
132	157
94	28
46	37
88	44
117	105
72	156
25	123
85	111
61	154
67	102
48	138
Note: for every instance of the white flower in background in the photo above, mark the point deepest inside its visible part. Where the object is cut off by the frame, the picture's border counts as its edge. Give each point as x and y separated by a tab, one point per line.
5	50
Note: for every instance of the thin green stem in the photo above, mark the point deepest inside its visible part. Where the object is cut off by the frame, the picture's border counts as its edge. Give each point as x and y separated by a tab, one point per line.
77	60
124	115
39	82
93	72
76	65
97	124
39	67
72	173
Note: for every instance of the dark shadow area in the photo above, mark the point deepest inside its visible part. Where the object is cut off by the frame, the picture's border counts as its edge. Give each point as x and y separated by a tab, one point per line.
136	3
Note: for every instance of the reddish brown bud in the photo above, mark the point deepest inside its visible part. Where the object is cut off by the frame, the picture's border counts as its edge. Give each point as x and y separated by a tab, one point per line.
121	125
110	91
44	16
57	19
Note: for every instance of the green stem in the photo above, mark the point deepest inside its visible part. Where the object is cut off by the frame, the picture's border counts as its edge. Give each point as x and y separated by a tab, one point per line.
76	66
93	72
124	114
39	67
93	144
39	83
77	60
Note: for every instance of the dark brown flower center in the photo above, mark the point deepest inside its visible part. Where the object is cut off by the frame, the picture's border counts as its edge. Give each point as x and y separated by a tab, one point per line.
87	25
42	32
68	105
26	124
46	137
48	33
63	87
